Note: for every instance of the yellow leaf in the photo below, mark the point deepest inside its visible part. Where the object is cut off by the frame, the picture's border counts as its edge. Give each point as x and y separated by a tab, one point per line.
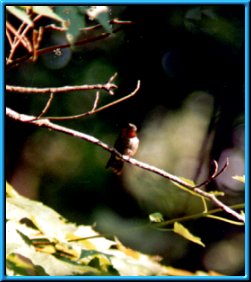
10	192
184	232
217	193
189	182
239	178
186	180
46	249
66	250
129	252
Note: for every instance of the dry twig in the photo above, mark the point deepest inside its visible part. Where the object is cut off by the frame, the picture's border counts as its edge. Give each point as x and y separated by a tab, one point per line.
47	106
46	50
65	89
94	110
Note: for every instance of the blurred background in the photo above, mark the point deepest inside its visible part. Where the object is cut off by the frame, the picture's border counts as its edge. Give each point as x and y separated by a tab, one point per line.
189	111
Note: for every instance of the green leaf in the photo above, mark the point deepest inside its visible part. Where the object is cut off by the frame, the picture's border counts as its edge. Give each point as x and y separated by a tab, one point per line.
74	20
156	217
101	15
47	12
239	178
184	232
20	14
22	265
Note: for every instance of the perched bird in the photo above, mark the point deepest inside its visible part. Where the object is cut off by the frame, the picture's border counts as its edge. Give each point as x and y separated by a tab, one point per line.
127	144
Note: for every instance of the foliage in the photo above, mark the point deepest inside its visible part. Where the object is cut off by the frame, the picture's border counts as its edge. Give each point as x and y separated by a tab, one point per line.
40	242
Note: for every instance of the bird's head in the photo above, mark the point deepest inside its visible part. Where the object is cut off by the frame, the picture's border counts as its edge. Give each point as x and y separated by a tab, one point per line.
129	131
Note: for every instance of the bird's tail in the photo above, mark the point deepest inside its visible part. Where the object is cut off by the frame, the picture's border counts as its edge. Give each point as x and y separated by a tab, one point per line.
116	164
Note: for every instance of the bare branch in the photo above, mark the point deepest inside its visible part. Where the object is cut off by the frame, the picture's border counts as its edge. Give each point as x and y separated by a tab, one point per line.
99	109
47	124
37	37
95	104
46	50
46	108
215	173
19	38
65	89
8	37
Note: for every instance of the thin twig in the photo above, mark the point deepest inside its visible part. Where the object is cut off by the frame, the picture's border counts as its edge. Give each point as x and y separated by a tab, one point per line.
20	37
209	214
114	21
99	109
88	237
215	173
65	89
8	35
55	27
213	198
37	37
23	40
47	124
61	46
46	108
95	104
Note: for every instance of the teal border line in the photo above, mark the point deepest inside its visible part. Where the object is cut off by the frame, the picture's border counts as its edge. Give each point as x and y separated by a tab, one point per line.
247	141
247	135
2	180
100	2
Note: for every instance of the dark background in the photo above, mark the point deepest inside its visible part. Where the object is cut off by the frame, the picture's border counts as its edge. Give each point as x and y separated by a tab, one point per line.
189	110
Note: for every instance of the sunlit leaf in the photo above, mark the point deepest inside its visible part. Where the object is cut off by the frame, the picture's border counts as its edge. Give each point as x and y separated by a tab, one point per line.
47	12
184	232
189	182
217	193
22	265
67	250
101	15
10	191
20	14
44	218
156	217
239	178
14	240
186	180
97	242
40	242
48	249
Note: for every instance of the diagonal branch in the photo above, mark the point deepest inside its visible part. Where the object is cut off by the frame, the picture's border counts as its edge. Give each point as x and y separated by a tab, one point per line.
47	124
47	106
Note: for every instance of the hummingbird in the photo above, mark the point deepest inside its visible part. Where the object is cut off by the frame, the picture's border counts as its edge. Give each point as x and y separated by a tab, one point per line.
127	144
